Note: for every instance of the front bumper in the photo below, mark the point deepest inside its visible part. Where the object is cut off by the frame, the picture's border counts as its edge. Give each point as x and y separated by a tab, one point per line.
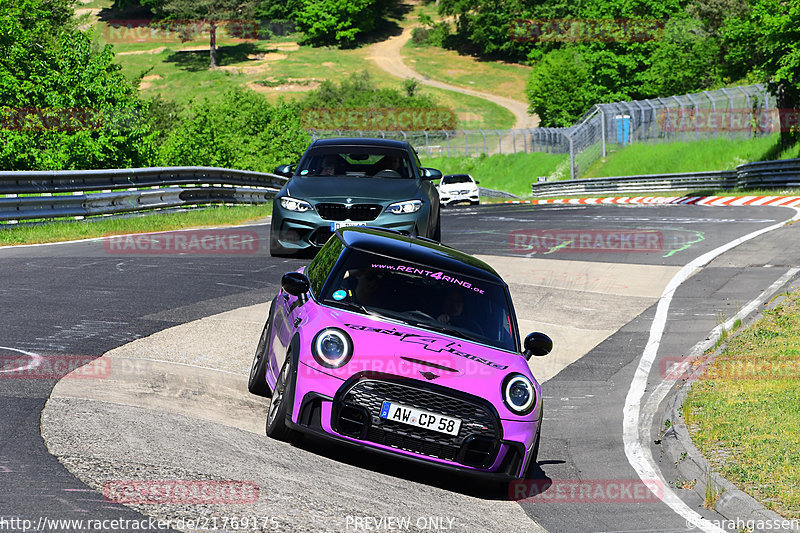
472	197
295	231
348	413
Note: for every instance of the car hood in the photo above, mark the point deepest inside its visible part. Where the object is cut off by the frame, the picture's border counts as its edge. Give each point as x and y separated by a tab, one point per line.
384	347
338	188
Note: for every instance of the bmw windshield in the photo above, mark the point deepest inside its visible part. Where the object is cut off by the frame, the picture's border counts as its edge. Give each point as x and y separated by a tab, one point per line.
450	303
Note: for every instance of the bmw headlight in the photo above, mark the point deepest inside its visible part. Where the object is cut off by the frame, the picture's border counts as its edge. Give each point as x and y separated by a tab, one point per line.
293	204
332	348
403	208
519	394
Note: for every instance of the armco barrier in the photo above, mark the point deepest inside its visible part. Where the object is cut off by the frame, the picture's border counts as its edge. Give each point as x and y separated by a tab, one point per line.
760	175
46	194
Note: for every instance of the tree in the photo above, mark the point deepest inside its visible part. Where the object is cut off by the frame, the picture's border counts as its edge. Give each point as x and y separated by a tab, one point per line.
338	21
560	88
238	130
201	12
63	103
766	42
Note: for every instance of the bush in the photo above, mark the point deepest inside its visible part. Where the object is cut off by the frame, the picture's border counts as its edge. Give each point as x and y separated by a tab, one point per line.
240	130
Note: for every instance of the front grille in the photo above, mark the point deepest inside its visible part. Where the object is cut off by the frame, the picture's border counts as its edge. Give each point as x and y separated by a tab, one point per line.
475	444
354	212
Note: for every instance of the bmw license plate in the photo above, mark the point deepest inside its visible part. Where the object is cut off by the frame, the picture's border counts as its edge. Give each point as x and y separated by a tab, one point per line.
345	224
420	418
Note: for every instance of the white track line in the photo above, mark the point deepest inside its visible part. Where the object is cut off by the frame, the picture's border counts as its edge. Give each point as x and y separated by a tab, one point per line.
636	437
36	360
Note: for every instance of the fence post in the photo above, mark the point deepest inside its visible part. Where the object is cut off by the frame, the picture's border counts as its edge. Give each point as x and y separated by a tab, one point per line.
514	141
484	140
427	148
730	106
602	128
680	105
696	112
466	142
499	142
713	111
746	106
447	141
571	157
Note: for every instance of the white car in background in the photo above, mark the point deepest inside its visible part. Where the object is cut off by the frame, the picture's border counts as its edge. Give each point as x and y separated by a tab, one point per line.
458	188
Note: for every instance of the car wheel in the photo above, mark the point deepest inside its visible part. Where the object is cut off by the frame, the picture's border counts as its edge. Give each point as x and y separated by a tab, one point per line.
257	383
276	416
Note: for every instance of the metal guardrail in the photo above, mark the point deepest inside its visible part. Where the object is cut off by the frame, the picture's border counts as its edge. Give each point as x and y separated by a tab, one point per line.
46	193
760	175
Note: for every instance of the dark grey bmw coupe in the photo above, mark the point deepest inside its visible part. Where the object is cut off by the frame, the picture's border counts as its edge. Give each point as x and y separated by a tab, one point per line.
353	182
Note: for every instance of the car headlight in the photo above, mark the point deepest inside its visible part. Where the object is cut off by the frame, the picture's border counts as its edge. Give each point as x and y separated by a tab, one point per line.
519	394
402	208
332	348
293	204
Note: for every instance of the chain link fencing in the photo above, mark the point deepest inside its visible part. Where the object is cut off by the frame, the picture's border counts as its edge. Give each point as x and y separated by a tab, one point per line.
735	113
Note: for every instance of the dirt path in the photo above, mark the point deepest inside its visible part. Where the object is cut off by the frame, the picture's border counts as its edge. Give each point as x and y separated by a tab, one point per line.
386	55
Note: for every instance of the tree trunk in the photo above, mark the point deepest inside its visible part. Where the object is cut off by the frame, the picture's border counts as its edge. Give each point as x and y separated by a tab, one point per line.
213	51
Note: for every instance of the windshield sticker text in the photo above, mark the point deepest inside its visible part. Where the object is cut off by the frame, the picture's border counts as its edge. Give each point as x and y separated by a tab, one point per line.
432	343
441	276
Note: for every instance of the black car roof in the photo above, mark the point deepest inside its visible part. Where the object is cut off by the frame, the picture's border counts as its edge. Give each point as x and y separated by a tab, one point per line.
417	251
360	141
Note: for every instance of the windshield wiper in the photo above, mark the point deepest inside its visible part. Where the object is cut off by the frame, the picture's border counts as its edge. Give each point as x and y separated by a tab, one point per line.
357	307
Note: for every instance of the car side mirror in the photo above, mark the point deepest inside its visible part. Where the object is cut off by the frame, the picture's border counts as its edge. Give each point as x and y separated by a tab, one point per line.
295	283
537	344
284	170
431	174
477	183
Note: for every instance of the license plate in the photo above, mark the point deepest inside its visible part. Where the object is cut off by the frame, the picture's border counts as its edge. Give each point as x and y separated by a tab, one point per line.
419	418
345	224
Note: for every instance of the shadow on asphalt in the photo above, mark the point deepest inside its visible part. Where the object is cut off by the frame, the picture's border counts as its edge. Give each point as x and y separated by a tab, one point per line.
469	485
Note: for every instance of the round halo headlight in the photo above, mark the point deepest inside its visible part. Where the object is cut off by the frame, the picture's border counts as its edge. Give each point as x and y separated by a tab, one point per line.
332	348
519	394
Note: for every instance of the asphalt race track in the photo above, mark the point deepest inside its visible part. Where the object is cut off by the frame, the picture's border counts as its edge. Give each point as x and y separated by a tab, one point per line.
178	333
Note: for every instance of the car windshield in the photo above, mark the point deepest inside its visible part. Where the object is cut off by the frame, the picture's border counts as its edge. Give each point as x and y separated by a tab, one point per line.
364	161
457	178
420	295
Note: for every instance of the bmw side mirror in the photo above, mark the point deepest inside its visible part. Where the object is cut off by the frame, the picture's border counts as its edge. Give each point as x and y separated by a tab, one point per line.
295	283
284	170
431	174
537	344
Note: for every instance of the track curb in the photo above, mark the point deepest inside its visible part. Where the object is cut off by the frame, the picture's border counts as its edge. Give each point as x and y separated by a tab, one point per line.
714	201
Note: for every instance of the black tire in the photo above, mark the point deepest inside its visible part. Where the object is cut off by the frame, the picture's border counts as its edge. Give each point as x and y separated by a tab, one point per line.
276	416
257	383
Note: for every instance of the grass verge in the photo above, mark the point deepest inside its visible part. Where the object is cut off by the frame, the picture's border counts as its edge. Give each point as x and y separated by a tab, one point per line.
744	412
663	158
57	231
505	172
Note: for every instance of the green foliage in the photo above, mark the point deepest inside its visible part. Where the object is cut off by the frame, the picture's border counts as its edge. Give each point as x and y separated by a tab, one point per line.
239	130
275	10
359	91
685	43
63	103
338	22
561	88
